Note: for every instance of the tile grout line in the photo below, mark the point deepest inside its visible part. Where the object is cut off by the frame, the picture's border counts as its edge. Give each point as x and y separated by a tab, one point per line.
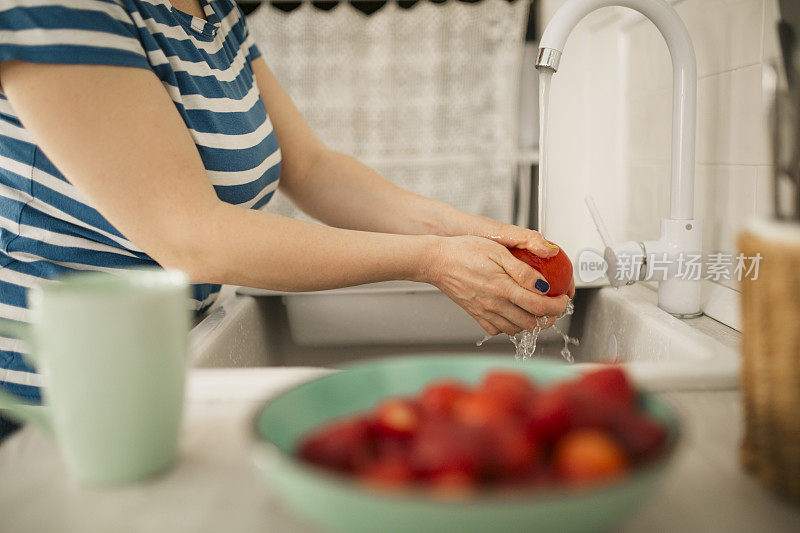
763	28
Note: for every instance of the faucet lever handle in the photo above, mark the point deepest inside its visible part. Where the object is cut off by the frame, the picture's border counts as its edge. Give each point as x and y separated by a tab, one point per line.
624	262
598	222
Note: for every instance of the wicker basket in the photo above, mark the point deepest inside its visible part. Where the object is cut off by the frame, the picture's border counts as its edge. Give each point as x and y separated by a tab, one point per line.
771	360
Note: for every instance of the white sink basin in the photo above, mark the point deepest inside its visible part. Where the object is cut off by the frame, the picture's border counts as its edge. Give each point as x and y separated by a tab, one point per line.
625	325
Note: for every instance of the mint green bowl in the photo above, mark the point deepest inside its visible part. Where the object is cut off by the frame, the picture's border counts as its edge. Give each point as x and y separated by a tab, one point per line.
337	503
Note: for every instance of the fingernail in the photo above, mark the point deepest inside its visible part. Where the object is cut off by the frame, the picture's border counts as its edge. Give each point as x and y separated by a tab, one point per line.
542	286
550	244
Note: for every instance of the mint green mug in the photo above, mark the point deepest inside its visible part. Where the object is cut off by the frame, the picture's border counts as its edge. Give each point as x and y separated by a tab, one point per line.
112	351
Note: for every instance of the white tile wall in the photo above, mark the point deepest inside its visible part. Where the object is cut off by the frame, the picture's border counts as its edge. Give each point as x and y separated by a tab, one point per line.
734	40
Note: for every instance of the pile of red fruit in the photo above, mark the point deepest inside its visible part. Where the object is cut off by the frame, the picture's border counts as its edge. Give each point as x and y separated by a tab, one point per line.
506	431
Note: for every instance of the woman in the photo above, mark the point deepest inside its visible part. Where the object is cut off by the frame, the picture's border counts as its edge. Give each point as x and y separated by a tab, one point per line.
143	132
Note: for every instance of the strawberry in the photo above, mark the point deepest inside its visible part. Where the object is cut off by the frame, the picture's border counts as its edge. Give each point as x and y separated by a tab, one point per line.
438	398
513	390
551	416
479	409
639	435
397	416
387	473
509	452
608	384
343	445
442	447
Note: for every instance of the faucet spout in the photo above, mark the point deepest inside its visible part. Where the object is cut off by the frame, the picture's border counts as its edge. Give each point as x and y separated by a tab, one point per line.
681	234
684	82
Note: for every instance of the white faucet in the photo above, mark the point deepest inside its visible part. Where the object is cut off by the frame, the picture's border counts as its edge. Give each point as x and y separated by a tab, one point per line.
670	258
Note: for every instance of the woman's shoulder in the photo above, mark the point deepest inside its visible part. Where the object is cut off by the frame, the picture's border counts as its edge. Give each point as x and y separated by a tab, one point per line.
21	14
70	31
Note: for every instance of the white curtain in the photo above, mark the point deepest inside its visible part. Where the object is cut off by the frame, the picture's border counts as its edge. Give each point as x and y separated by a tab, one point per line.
427	96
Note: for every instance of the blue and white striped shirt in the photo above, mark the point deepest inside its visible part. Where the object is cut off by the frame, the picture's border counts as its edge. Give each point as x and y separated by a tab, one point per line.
47	227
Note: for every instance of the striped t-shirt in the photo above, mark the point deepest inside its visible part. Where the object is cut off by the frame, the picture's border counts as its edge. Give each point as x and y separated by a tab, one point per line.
47	227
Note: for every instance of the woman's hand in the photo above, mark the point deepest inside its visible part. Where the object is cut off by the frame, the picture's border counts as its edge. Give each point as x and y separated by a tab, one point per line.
494	287
512	236
508	235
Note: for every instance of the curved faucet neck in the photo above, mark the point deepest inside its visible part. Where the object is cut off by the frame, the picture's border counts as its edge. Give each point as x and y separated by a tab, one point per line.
684	82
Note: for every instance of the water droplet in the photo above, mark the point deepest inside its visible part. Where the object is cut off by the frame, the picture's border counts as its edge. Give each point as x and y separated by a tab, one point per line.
525	341
480	342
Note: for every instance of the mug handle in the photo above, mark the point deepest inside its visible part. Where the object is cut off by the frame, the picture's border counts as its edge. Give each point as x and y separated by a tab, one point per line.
9	404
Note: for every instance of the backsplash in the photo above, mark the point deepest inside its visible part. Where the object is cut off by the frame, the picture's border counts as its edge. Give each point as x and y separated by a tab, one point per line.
734	40
624	69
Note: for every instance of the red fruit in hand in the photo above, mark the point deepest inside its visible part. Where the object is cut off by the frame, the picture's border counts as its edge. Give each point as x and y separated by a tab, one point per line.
587	455
398	417
608	384
557	270
439	397
341	445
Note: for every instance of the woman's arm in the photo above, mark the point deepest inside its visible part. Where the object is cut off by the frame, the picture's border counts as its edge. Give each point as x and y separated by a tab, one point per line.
334	188
345	193
117	136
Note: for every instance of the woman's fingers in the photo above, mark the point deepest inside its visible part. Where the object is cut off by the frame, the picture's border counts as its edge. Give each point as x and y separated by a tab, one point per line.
520	317
503	324
520	309
537	304
488	327
517	237
525	276
512	319
528	280
502	293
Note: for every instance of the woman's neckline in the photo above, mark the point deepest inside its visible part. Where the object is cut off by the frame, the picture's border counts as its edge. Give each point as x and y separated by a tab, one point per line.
204	7
204	29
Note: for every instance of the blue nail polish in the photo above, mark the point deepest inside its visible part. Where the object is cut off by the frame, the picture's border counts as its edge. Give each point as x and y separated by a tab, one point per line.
542	286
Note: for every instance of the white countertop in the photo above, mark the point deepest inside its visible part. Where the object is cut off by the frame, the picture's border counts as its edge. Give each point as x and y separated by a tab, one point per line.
214	487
